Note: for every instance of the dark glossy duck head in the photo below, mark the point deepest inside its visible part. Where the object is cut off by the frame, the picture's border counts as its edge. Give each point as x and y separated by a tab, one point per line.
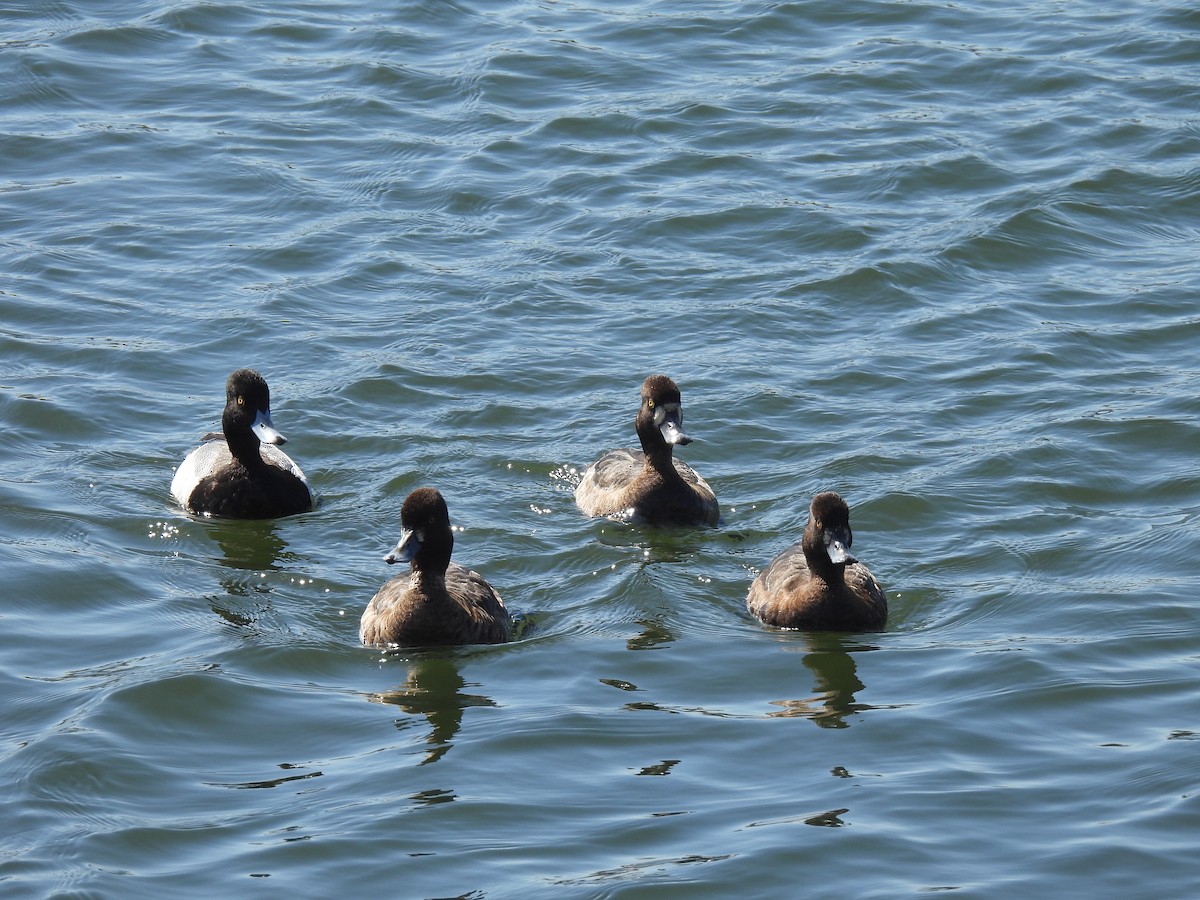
248	410
659	421
426	539
828	529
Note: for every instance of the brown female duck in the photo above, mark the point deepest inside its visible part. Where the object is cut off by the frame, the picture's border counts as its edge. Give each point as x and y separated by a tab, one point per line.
650	485
816	585
439	603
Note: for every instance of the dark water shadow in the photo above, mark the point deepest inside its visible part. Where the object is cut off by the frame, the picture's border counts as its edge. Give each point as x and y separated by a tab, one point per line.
655	543
244	602
433	689
655	634
267	783
831	818
247	548
249	544
835	681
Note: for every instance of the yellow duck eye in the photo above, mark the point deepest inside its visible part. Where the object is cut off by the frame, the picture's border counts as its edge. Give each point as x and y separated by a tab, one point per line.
241	400
649	403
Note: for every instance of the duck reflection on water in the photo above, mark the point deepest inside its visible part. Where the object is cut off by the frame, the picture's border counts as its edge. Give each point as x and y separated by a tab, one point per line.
433	689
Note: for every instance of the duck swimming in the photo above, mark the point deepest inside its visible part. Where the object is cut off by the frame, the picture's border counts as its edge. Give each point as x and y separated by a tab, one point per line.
439	603
816	585
242	474
650	485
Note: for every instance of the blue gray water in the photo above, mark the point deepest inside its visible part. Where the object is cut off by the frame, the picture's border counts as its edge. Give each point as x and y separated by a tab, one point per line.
941	258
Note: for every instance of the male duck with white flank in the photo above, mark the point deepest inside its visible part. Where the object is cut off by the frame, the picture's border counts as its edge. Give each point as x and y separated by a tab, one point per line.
242	474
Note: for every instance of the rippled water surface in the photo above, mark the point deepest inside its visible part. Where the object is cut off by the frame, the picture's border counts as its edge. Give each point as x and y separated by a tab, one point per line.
938	257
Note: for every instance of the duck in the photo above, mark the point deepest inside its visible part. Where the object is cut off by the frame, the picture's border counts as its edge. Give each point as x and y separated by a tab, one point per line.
650	486
816	584
439	602
241	473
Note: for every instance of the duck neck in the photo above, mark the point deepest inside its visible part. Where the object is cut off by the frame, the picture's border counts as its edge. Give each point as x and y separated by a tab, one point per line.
819	562
658	452
662	462
244	447
431	562
429	579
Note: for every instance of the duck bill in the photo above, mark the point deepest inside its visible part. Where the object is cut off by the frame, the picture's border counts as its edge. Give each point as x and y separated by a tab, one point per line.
410	543
670	426
265	429
837	545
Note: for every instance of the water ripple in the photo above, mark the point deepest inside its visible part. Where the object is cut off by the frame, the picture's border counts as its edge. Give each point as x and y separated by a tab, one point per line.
939	258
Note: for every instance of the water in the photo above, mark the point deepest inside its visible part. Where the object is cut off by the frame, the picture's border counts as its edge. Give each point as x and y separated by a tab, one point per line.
940	258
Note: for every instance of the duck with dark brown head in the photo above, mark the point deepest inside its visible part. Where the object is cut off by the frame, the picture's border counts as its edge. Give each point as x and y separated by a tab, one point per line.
438	603
817	585
650	485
